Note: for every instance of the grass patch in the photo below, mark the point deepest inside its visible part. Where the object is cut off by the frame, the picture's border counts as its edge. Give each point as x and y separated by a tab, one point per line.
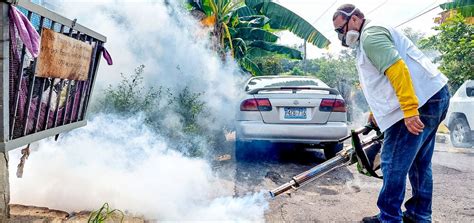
105	213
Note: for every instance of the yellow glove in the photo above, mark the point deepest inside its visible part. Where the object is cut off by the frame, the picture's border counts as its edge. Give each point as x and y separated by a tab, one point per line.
400	78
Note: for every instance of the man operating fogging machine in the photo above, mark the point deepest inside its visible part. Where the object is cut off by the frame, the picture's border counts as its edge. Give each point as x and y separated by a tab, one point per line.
409	98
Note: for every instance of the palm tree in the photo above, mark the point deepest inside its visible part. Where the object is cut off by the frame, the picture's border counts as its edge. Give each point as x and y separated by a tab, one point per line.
246	29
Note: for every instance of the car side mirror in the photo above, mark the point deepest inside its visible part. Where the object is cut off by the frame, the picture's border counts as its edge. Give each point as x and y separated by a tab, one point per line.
470	91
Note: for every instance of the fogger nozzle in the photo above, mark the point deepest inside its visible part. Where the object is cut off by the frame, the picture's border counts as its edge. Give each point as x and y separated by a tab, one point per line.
283	188
312	174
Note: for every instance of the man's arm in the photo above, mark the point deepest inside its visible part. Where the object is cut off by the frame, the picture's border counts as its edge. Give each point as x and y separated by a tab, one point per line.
399	77
379	48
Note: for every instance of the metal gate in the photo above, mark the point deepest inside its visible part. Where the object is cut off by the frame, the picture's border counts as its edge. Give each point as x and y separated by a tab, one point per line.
33	108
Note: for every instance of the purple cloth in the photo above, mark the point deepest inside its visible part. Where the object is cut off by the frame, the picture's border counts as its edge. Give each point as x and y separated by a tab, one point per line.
28	34
107	56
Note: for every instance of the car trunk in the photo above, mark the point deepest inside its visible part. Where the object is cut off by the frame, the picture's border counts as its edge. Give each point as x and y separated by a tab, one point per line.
295	108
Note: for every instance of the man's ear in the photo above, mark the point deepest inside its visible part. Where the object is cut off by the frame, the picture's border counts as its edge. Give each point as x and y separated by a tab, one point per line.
354	18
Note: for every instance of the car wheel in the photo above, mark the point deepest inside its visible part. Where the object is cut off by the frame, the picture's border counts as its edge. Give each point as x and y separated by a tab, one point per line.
330	150
460	133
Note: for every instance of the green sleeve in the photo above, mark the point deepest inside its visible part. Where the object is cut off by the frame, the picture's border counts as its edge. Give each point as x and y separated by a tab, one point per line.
379	47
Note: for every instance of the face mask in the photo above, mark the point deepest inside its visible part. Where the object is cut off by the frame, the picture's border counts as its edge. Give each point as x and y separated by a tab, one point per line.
351	38
342	38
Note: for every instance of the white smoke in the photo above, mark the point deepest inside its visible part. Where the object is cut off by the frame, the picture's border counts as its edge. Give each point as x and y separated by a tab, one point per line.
119	160
171	44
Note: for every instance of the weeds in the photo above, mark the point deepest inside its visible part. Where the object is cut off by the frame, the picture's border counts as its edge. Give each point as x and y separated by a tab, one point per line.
130	96
188	132
103	214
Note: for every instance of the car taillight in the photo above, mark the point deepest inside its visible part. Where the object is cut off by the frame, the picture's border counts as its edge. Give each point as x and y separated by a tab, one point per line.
259	104
339	106
334	105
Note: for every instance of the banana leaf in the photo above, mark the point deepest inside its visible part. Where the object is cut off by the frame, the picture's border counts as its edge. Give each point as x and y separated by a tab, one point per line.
465	7
245	11
276	48
252	17
284	19
194	4
257	22
254	3
256	34
205	6
240	47
255	52
250	66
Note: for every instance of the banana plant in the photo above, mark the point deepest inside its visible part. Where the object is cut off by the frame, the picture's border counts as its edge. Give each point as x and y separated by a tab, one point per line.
465	7
217	16
247	29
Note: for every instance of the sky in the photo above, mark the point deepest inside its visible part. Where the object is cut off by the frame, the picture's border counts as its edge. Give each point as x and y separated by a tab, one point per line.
391	12
319	13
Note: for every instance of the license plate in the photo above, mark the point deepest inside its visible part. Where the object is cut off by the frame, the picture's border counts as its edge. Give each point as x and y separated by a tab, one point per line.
295	113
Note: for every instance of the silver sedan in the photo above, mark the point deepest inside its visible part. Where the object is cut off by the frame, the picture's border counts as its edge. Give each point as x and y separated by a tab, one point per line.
290	109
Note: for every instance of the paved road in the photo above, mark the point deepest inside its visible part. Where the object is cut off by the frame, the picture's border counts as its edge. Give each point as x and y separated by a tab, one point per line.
341	196
345	195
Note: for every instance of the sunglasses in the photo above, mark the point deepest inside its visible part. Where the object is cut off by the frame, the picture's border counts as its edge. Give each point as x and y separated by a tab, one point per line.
340	30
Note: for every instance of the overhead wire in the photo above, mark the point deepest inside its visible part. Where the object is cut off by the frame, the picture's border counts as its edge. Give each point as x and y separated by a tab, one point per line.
325	11
422	12
417	16
371	11
383	3
317	19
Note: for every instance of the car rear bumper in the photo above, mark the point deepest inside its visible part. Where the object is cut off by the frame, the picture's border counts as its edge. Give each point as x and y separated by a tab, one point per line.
296	133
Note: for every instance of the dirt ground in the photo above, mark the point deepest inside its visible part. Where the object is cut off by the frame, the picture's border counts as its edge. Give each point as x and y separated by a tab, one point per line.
32	214
343	195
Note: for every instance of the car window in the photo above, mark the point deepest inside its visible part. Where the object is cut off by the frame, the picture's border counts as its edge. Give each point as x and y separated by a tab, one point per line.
283	82
304	91
470	88
461	92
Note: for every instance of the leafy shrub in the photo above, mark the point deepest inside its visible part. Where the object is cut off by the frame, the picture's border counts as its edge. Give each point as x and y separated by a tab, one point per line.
455	42
187	132
130	96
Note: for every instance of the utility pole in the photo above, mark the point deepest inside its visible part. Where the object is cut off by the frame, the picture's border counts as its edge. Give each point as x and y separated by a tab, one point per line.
304	57
304	46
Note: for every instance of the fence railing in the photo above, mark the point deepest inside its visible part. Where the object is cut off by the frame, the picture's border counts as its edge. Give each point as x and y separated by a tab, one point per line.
32	107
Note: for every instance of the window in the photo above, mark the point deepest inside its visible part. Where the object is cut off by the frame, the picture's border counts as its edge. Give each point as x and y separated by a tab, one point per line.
470	88
266	82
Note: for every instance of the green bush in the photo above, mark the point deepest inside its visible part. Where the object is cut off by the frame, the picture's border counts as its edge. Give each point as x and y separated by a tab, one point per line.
193	137
455	42
130	96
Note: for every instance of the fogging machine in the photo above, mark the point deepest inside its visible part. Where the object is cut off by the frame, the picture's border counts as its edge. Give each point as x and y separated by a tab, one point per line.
365	153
